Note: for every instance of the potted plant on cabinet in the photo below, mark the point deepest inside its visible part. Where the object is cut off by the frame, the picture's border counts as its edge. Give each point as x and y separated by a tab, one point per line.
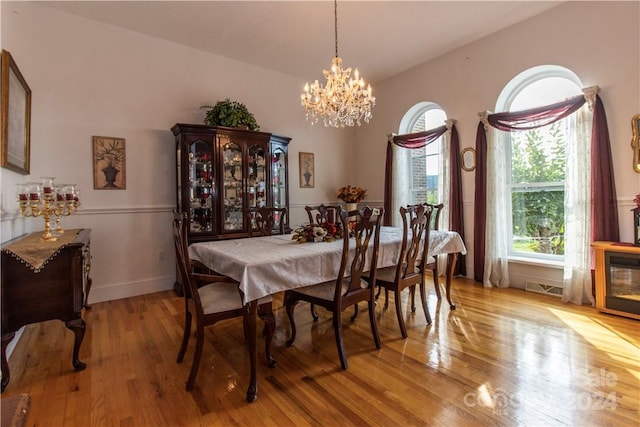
231	114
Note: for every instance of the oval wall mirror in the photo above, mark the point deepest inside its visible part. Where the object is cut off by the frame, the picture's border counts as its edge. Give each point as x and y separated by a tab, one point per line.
468	159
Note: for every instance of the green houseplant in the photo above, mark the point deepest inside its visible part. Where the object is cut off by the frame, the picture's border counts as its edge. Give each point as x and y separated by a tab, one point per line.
231	114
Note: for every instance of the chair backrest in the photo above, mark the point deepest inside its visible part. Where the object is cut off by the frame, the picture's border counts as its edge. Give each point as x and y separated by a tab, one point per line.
323	213
181	245
365	255
416	220
435	214
263	220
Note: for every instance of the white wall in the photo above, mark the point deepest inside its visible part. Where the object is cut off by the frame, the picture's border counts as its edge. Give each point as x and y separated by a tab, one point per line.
91	79
599	41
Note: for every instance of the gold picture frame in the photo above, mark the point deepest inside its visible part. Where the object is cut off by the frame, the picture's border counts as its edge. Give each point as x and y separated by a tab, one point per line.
468	159
307	170
109	163
635	141
15	128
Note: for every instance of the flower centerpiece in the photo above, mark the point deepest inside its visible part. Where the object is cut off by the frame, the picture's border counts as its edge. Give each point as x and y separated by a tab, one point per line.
637	200
324	232
351	194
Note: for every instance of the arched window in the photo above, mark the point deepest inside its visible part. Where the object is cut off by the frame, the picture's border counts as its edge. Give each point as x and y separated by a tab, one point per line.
536	163
424	171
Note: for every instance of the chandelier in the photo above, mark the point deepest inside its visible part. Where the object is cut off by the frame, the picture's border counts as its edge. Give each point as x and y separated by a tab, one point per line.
344	100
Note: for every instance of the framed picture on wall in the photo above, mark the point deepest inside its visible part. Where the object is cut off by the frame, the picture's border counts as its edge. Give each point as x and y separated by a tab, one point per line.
307	170
15	120
109	166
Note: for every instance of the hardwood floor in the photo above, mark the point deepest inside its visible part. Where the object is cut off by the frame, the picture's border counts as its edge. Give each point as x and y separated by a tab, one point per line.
503	357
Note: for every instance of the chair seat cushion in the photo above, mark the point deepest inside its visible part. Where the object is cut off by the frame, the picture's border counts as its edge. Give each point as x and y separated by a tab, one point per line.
326	290
387	274
223	296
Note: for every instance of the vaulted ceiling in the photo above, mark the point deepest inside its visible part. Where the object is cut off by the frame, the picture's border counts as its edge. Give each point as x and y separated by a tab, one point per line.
381	38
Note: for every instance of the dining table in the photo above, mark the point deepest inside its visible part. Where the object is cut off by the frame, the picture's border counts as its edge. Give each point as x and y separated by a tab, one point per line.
267	265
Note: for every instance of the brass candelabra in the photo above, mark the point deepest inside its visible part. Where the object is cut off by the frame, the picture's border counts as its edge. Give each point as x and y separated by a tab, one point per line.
48	200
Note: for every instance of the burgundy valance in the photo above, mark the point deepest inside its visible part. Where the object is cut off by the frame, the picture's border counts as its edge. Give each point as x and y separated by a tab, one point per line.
536	117
419	139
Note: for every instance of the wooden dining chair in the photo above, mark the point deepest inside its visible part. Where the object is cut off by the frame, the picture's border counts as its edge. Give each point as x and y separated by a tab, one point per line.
318	215
265	221
322	213
409	270
348	288
210	299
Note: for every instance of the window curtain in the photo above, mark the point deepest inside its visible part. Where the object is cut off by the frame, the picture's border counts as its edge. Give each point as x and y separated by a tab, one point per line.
449	172
599	176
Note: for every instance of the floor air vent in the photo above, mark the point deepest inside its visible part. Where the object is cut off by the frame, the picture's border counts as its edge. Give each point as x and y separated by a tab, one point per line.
543	288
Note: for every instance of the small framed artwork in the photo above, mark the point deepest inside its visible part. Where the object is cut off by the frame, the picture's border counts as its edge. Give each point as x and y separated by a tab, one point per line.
15	131
109	166
307	170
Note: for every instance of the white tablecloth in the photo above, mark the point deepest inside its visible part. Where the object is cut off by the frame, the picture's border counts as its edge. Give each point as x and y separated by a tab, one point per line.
266	265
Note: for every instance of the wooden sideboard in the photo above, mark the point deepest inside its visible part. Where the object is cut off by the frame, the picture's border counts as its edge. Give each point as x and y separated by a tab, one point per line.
58	289
617	278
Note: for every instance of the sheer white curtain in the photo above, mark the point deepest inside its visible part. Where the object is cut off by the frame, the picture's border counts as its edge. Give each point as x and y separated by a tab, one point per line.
444	187
496	263
401	172
577	248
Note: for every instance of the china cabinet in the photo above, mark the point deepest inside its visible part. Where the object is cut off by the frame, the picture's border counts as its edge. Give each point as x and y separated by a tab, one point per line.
223	171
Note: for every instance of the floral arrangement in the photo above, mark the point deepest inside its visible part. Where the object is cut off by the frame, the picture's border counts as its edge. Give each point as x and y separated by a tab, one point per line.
324	232
351	194
637	200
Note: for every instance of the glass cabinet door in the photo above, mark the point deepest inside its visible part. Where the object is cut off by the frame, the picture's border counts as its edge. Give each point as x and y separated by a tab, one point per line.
201	182
232	187
278	179
257	177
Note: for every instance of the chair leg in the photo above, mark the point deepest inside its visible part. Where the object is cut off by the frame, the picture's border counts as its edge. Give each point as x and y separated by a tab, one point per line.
386	298
436	284
412	294
185	337
398	298
337	328
197	356
290	306
269	328
423	298
314	315
374	324
355	312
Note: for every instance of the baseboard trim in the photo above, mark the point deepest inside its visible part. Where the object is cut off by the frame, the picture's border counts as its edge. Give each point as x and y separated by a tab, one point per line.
131	289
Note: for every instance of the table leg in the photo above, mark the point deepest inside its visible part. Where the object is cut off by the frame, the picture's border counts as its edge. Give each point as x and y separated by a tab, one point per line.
6	339
451	266
252	314
78	327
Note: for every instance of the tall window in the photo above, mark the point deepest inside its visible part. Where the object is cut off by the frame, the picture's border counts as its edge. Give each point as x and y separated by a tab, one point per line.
536	163
425	181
